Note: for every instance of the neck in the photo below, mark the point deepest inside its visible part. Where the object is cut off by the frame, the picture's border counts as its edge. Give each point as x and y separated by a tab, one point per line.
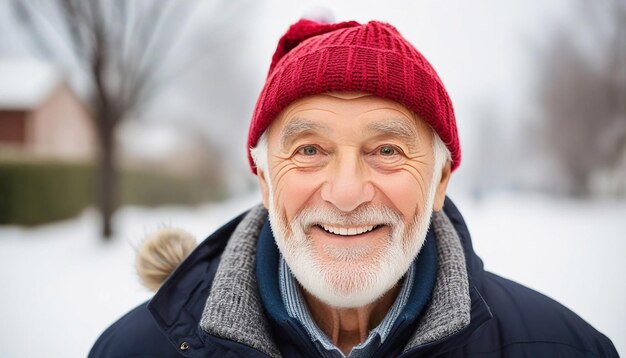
347	327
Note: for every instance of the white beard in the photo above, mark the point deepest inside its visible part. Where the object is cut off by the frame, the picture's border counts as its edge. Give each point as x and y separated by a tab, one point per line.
355	276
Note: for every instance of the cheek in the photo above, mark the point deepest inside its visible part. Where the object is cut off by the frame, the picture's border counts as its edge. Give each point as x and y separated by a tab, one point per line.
293	191
406	192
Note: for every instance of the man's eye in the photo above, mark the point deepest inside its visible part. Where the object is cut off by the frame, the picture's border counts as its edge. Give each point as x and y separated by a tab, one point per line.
387	151
308	150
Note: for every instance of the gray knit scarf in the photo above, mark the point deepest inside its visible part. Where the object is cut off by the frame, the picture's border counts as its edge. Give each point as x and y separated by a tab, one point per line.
234	310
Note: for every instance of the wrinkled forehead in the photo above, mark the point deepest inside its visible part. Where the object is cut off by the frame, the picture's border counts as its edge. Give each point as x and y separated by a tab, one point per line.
324	113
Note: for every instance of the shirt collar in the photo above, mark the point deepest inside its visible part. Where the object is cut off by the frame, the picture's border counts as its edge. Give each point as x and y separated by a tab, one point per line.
296	308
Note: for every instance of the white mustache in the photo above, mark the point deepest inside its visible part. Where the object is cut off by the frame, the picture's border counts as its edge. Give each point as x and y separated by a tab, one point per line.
362	216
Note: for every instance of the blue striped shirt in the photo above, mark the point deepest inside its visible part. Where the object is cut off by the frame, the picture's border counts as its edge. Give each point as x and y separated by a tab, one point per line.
297	308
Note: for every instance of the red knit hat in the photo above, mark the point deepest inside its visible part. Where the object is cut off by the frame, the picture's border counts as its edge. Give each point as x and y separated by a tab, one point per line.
313	58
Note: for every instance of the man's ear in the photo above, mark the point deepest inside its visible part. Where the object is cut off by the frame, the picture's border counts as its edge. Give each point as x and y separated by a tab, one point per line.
440	195
265	189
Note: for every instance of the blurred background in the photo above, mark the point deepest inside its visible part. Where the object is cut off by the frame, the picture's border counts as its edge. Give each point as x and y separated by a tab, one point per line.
121	117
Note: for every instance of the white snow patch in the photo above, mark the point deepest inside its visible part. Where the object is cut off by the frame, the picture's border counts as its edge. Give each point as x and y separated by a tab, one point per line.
25	82
62	286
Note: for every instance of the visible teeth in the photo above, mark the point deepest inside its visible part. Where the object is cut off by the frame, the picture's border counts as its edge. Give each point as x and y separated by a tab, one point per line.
348	231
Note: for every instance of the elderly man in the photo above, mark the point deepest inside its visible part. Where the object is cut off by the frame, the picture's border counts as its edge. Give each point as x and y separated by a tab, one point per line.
356	251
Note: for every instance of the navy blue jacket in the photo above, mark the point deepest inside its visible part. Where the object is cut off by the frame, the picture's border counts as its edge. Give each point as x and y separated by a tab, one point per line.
507	319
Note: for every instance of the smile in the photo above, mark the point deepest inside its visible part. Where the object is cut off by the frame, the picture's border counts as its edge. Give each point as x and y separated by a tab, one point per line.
348	231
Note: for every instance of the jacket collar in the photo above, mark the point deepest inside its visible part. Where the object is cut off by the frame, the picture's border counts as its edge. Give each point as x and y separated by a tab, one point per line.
457	310
177	306
234	310
449	308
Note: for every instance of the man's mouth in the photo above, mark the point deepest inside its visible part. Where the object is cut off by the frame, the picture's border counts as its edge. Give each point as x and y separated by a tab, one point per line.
348	231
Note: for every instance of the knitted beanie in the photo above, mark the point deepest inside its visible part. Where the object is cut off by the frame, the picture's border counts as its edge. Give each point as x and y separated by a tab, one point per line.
313	58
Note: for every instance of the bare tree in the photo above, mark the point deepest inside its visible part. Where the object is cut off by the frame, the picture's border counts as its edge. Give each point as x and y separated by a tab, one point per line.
121	46
583	92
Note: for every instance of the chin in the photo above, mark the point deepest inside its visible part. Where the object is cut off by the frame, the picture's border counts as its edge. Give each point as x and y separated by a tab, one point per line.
350	286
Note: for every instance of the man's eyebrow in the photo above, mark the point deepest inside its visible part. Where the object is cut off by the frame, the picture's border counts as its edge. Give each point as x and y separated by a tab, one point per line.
296	127
394	127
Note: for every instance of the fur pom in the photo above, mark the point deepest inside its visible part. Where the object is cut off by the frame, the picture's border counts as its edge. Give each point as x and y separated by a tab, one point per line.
159	255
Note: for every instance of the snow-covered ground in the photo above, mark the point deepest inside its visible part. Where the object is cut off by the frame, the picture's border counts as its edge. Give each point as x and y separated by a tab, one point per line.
61	286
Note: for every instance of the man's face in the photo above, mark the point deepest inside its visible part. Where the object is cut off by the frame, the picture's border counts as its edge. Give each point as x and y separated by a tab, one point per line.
350	191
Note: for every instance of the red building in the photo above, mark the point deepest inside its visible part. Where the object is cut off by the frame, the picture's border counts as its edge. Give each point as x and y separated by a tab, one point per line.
40	115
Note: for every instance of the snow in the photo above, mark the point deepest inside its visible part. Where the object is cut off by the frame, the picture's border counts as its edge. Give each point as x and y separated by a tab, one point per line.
25	82
62	286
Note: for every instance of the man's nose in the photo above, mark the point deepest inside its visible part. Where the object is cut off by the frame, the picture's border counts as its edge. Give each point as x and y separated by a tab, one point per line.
348	185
